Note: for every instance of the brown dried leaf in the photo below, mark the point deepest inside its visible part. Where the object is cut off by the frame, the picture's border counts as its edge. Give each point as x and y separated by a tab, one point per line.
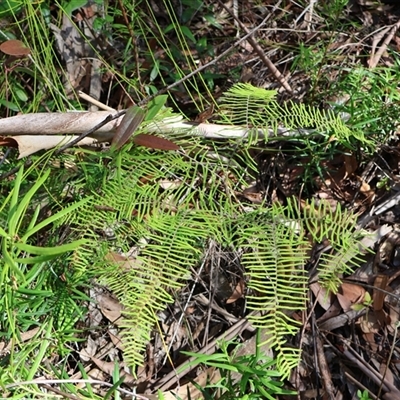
131	121
380	283
237	293
112	315
108	368
94	373
351	165
154	142
177	332
117	341
393	305
350	294
190	390
14	48
123	262
8	142
110	308
89	350
168	184
24	336
369	337
206	114
333	311
322	295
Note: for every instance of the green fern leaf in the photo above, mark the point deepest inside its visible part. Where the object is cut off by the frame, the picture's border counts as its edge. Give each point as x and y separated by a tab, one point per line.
338	227
245	104
274	258
165	206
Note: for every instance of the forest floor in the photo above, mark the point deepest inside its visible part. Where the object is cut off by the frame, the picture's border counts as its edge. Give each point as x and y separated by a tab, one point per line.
336	56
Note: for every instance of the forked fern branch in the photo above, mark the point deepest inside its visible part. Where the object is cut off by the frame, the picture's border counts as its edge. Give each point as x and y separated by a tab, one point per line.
161	208
338	227
275	255
245	104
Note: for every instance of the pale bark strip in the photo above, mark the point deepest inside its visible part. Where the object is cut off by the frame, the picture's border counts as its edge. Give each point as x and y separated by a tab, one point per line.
57	123
81	122
30	144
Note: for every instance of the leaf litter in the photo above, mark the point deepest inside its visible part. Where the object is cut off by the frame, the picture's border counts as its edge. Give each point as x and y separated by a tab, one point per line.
360	321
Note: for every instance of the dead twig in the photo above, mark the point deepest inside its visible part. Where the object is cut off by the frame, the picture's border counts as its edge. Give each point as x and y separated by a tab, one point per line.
174	376
359	385
106	120
257	48
374	375
374	59
324	369
309	14
95	102
147	99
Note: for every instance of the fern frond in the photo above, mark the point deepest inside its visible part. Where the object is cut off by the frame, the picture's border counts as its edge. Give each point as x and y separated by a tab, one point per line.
274	258
244	104
338	227
341	260
165	206
174	243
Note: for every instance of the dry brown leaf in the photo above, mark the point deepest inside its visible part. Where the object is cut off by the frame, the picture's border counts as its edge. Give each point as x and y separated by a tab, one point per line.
252	194
391	395
89	350
189	391
154	142
379	293
322	295
350	294
110	307
369	194
365	188
333	311
24	336
384	370
206	114
116	340
237	293
113	316
108	368
393	305
170	185
344	302
130	122
95	374
176	332
369	337
123	262
8	142
14	48
351	164
370	324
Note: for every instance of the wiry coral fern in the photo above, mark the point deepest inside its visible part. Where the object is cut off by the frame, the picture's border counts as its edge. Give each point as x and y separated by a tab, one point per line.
275	254
244	104
338	227
162	207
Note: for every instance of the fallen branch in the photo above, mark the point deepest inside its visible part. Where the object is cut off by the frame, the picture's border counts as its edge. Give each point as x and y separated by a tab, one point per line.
77	123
